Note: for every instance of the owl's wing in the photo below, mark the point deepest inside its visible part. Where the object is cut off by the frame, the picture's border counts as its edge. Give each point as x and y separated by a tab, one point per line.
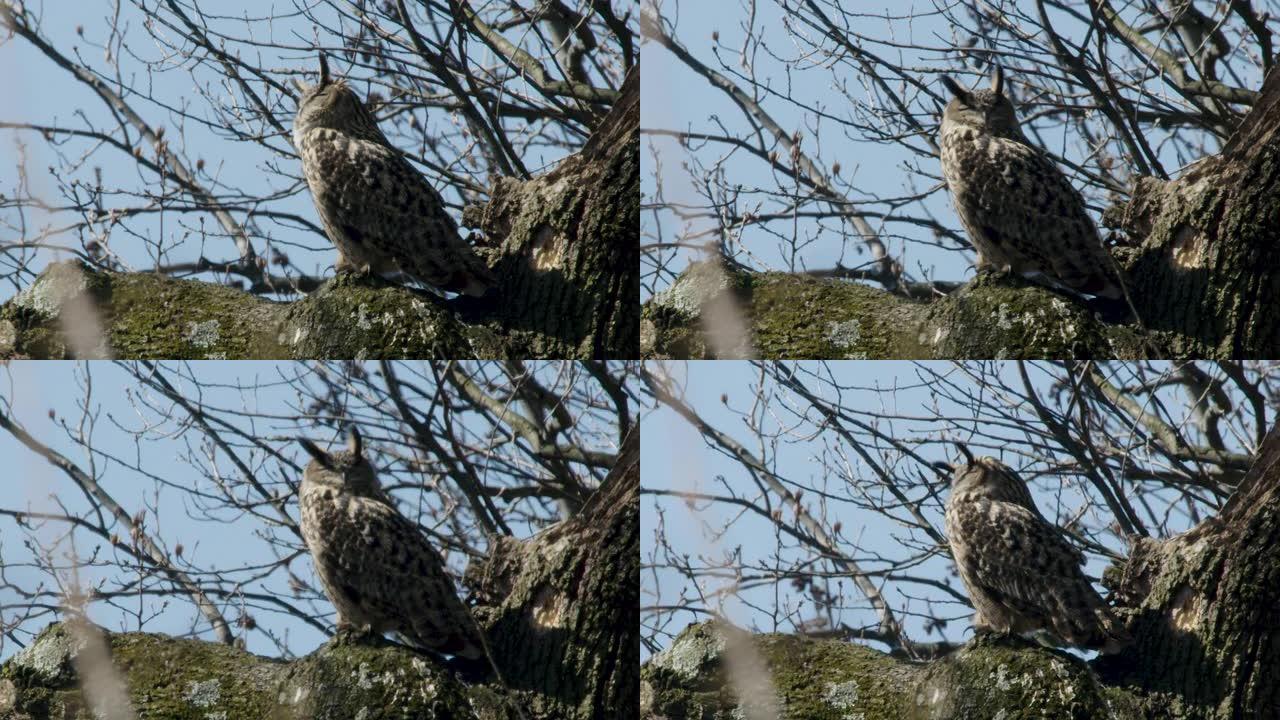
1060	228
383	203
415	584
1024	561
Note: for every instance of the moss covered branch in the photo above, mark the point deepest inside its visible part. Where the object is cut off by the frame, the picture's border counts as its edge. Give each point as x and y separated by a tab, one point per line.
813	679
178	678
798	316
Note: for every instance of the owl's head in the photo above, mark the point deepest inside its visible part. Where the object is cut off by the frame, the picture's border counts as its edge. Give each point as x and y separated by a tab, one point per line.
344	470
989	478
986	110
332	103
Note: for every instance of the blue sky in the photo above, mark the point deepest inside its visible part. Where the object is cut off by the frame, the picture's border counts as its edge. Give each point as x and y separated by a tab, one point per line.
36	388
47	94
674	457
252	396
678	99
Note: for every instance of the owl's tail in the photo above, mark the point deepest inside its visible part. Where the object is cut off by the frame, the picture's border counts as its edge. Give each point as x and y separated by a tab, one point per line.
473	670
1101	630
1110	636
1102	286
464	643
1080	617
475	280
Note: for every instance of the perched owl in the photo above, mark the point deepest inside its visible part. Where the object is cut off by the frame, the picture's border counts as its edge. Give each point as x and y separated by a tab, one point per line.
1017	207
1021	574
382	215
375	565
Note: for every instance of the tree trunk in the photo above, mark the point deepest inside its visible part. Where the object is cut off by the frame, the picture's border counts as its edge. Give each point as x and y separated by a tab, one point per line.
566	624
1204	277
565	247
1203	608
559	612
1201	272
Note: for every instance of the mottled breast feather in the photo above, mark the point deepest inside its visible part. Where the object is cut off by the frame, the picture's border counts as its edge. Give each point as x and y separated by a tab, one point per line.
1021	574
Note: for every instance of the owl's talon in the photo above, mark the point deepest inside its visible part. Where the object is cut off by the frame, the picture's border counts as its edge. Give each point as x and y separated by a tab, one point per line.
349	634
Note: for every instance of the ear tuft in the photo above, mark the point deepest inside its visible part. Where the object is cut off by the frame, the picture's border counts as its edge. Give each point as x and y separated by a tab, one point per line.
997	80
955	89
315	452
964	450
324	70
354	443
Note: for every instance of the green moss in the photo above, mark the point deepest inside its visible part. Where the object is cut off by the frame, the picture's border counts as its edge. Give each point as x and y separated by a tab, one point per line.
136	315
811	679
355	680
686	680
144	315
1012	679
836	680
180	679
359	316
789	316
799	316
46	661
672	316
796	316
39	682
155	316
1002	317
165	677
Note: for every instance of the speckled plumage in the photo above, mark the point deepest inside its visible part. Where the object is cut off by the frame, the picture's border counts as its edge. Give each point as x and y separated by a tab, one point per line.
374	564
380	212
1018	208
1021	574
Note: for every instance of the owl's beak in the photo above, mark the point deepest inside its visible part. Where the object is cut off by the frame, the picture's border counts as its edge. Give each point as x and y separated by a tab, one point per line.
324	70
320	456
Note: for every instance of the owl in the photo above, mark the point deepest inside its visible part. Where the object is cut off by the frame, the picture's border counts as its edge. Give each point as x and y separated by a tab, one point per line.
1022	576
1017	207
381	213
375	565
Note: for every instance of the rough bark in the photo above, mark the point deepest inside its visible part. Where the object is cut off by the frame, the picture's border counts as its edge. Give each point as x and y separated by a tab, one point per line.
558	610
1201	259
569	599
1205	274
564	245
1203	608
